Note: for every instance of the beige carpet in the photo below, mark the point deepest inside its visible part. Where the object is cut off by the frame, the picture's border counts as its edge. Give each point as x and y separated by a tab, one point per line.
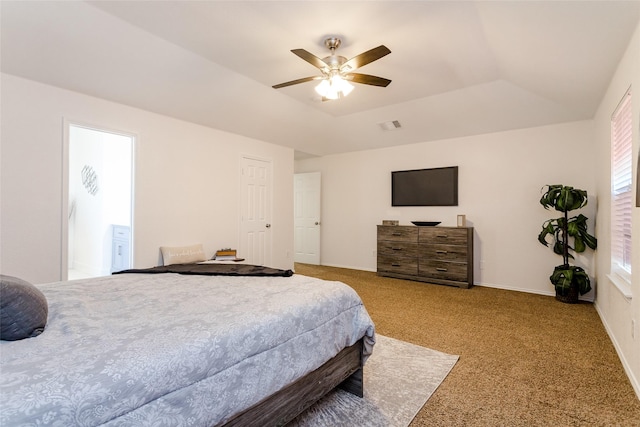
399	378
525	360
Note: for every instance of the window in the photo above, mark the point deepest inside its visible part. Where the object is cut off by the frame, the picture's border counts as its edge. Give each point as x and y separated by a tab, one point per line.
621	188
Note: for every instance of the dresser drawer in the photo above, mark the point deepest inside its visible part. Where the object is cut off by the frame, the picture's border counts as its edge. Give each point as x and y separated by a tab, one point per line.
121	232
397	249
456	253
398	233
395	264
444	270
449	235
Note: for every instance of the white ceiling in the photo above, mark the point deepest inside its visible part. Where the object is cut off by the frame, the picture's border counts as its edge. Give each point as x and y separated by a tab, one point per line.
457	68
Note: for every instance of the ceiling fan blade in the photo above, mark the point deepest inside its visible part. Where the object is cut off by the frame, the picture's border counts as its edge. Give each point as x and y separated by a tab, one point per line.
295	82
365	58
311	59
367	79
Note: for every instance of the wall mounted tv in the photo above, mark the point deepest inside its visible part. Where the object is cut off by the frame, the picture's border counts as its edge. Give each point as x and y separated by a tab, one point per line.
425	187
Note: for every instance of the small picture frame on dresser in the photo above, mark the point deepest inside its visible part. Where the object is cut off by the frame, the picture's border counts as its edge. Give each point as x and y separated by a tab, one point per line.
462	221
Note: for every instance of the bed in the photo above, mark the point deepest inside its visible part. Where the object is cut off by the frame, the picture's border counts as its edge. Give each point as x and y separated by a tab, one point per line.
170	349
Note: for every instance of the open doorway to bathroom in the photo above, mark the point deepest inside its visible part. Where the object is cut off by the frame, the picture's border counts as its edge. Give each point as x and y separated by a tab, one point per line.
100	201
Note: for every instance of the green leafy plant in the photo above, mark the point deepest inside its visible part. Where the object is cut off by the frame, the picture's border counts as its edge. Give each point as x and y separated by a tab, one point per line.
568	280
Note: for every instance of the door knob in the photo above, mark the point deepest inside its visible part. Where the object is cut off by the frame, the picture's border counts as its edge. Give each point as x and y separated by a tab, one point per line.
317	223
268	225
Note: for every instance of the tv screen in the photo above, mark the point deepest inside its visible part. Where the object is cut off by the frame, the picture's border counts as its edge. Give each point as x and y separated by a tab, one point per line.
425	187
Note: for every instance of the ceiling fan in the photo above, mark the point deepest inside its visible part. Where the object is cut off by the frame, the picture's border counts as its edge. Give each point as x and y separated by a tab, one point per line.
337	70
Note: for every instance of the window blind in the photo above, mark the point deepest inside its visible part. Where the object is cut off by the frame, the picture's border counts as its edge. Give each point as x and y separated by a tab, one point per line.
621	186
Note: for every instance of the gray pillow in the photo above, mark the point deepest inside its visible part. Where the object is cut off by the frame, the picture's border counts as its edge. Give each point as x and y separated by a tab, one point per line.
23	309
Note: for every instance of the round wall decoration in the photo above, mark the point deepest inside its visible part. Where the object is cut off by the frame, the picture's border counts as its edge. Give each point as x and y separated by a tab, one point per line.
90	180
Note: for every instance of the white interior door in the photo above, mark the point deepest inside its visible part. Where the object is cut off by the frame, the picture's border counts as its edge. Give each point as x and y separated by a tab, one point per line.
306	199
255	212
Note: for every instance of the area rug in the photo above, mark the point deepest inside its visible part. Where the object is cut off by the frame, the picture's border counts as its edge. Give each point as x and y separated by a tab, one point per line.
399	378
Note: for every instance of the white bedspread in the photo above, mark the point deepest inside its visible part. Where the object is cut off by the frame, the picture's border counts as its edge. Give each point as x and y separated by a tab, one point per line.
172	350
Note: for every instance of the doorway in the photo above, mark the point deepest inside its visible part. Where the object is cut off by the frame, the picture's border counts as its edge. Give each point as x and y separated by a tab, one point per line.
100	177
306	217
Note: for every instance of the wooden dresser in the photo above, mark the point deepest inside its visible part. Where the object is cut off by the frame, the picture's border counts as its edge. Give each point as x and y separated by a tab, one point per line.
441	255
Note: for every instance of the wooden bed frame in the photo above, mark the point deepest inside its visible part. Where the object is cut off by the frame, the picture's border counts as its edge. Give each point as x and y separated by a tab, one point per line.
344	371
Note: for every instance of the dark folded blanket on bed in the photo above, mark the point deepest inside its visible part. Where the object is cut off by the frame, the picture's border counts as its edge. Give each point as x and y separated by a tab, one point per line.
213	270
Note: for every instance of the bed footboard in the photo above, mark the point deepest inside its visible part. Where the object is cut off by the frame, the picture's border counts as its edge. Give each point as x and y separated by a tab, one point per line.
344	371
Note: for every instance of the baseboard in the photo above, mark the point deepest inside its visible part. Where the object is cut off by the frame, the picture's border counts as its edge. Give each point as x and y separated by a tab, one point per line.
529	291
349	267
511	288
627	368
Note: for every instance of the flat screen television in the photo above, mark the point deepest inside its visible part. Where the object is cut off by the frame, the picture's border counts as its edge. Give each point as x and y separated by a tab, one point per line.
425	187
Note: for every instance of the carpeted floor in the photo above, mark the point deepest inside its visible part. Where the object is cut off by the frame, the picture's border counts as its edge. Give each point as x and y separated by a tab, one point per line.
399	377
525	359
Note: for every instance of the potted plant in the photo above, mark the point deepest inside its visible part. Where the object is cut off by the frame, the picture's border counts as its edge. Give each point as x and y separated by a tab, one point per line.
568	280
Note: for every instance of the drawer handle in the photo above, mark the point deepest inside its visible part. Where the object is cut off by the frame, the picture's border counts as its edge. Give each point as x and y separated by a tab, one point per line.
442	236
395	265
441	269
441	252
396	249
396	234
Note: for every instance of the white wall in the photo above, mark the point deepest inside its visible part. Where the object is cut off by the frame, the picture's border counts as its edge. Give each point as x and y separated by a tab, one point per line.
186	180
500	177
616	311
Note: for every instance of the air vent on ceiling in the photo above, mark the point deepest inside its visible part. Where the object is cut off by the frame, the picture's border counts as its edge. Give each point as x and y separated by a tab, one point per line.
391	125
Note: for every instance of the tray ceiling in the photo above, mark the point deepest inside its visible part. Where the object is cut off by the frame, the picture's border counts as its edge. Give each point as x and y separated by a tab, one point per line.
457	68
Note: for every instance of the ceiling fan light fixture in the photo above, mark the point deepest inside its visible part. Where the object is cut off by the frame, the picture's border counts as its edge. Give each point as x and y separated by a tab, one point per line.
332	94
323	88
341	85
334	87
336	70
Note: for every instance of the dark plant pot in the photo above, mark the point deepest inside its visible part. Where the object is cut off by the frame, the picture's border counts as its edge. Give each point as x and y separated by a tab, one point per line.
570	281
569	296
